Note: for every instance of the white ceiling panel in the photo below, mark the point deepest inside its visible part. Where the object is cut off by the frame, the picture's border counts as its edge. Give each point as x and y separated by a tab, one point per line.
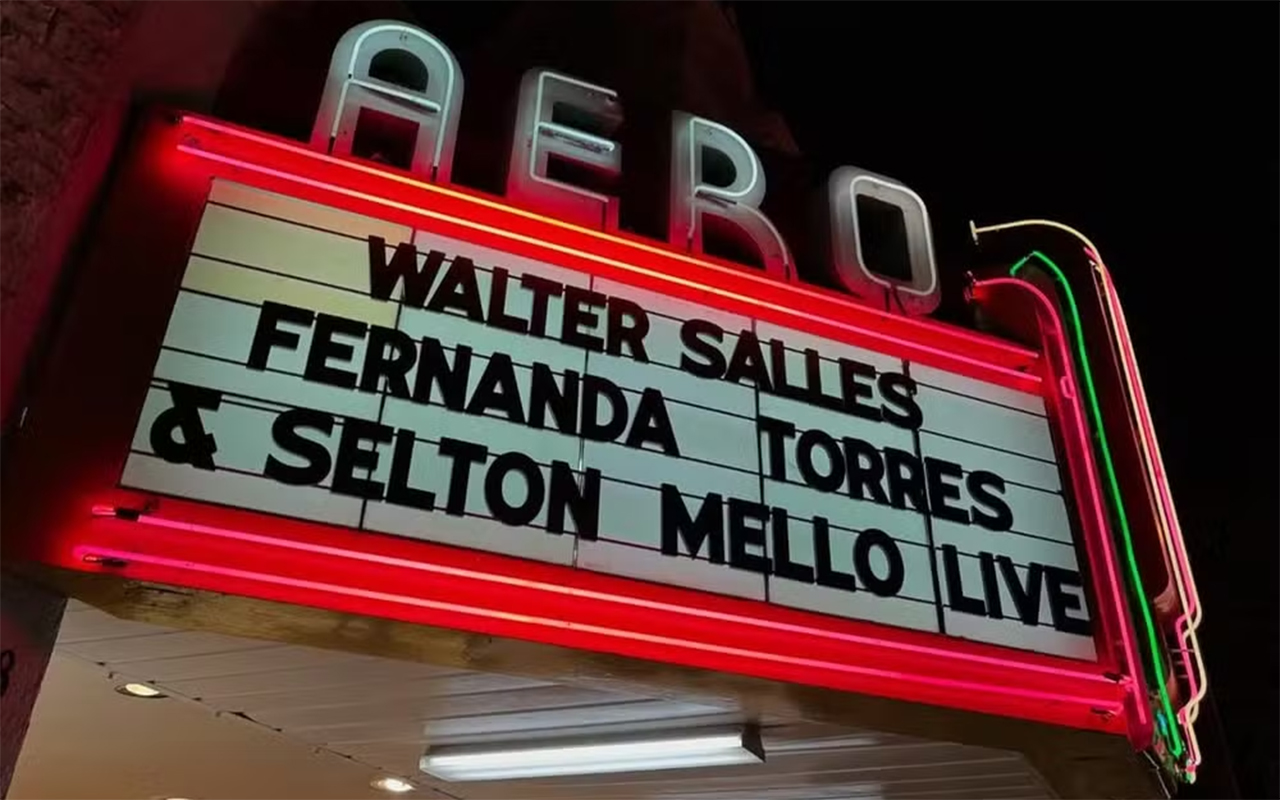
321	677
353	717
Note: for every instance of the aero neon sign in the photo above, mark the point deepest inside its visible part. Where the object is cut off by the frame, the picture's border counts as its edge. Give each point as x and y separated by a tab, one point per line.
391	74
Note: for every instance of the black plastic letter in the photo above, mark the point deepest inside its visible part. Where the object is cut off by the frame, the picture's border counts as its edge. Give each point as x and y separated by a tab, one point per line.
678	527
535	489
351	457
873	538
285	433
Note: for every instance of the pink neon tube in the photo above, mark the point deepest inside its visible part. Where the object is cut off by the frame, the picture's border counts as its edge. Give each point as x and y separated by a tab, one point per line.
588	594
1170	529
1049	312
1172	540
300	150
1151	445
89	553
605	260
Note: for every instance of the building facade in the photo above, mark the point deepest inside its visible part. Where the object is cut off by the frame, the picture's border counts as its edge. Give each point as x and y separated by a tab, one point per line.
769	471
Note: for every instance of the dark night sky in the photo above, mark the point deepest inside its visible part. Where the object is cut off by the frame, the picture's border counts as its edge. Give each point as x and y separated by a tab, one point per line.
1153	129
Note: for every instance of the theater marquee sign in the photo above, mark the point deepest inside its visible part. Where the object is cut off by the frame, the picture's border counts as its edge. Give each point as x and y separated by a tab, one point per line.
292	374
335	368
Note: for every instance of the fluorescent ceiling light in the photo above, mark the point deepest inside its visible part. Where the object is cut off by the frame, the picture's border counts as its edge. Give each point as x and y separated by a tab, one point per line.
705	748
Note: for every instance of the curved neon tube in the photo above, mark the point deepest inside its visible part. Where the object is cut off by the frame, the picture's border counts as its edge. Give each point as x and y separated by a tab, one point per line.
599	259
633	243
1151	446
1113	484
1091	471
1137	396
1169	528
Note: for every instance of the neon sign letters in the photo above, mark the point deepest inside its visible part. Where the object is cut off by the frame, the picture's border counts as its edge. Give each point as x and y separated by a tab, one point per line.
361	87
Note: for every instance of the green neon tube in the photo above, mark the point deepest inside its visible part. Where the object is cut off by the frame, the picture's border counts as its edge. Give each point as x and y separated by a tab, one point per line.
1113	484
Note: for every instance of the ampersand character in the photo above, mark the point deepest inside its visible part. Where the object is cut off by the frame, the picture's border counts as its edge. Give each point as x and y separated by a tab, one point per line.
197	446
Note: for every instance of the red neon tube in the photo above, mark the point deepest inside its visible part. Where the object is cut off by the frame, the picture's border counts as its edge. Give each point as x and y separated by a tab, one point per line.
944	653
1169	526
1087	483
282	165
1073	694
257	555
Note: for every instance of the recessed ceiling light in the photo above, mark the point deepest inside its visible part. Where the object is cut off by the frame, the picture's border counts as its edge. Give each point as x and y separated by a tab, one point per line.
395	785
144	691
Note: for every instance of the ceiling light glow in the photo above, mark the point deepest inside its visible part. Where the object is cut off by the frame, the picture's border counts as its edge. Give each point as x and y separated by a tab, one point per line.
140	690
393	785
713	748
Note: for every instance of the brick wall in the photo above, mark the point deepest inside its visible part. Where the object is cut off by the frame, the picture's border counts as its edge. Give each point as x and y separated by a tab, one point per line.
69	72
54	59
54	64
